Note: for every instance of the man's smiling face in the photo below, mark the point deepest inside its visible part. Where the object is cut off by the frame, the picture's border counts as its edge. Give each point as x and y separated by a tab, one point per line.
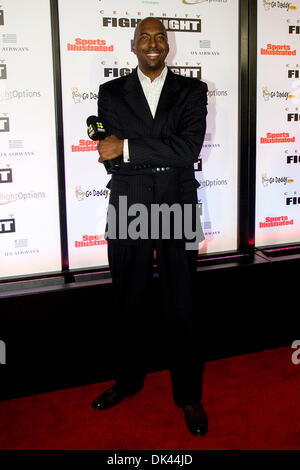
151	46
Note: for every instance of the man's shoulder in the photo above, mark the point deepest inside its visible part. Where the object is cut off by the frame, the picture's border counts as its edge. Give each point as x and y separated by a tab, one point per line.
115	84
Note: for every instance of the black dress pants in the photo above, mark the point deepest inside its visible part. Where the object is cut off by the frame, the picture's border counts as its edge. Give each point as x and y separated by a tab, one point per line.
132	272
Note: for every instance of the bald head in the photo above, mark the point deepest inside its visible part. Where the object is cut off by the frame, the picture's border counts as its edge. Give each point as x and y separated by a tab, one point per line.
151	46
149	19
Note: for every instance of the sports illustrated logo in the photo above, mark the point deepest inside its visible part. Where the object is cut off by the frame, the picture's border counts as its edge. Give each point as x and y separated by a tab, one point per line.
296	355
275	49
98	45
277	138
85	146
2	352
161	216
7	226
4	124
268	5
1	17
3	70
90	240
276	222
171	24
6	175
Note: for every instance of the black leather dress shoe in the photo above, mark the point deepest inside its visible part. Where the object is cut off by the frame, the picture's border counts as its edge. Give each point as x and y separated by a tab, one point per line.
108	399
196	419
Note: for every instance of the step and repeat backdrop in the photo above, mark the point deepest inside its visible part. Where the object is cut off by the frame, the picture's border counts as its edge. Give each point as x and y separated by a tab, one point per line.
95	44
29	209
278	123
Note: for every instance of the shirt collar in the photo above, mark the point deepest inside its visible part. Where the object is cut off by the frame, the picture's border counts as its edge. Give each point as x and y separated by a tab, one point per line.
160	78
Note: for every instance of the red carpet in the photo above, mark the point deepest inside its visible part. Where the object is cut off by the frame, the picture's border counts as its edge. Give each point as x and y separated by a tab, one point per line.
252	402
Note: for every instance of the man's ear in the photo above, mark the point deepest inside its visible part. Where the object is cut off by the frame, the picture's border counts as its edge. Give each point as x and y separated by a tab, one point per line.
133	48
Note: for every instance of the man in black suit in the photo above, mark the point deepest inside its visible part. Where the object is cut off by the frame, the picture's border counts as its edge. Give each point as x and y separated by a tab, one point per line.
156	120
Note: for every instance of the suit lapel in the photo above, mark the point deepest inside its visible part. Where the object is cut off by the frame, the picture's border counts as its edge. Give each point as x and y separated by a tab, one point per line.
167	100
136	99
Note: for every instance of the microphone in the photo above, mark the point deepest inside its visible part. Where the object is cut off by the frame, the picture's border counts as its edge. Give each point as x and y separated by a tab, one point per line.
96	131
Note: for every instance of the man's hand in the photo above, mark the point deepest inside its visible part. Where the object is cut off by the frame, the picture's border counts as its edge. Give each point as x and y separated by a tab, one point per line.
109	148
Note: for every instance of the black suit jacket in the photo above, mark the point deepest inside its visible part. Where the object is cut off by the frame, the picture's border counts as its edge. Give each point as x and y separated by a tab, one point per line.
174	138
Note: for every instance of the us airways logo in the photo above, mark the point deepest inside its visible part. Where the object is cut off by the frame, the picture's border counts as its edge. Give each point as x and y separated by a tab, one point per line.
3	70
7	225
192	25
270	95
6	175
285	6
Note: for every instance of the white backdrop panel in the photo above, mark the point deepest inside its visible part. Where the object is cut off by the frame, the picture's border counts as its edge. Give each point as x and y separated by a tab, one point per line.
204	42
29	212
